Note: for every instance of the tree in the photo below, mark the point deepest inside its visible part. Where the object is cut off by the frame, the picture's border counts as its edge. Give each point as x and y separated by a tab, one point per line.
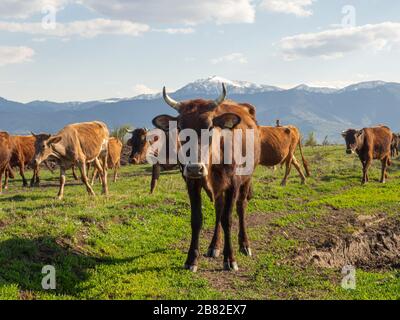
120	132
326	142
311	141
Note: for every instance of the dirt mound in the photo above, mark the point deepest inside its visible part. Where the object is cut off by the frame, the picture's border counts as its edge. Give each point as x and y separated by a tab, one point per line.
375	246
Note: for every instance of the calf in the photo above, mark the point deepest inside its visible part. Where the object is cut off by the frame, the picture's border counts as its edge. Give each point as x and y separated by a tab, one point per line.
113	159
76	144
278	145
370	144
220	180
5	155
395	146
23	151
140	146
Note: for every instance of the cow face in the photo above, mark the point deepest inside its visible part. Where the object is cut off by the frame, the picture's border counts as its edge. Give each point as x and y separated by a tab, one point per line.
199	116
354	140
139	146
44	147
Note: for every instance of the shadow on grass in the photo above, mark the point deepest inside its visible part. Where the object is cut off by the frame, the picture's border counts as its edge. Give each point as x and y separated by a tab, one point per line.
22	260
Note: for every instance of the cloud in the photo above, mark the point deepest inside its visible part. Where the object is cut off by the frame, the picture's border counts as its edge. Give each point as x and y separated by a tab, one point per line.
142	89
176	11
85	28
175	30
233	57
15	55
24	9
336	43
297	7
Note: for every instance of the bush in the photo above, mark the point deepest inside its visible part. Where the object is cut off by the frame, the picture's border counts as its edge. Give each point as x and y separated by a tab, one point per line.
120	132
311	141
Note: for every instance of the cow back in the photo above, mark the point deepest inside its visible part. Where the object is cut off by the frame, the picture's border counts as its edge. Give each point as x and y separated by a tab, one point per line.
5	149
114	151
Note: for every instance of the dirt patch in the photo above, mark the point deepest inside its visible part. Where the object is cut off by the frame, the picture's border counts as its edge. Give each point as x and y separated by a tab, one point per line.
374	246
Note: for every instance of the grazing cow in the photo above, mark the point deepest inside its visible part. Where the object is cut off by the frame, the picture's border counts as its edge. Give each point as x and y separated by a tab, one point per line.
113	159
23	151
76	144
370	144
221	181
5	155
140	145
278	145
395	146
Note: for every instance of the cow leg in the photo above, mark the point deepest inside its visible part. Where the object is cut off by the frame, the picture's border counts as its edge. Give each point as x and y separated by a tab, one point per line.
37	182
215	246
287	172
94	176
241	207
85	180
62	183
298	168
102	169
35	178
365	171
2	170
155	175
22	173
76	178
194	190
229	259
384	167
116	167
105	173
6	177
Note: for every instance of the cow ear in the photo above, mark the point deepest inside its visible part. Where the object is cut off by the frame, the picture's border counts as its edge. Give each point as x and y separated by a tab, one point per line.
344	133
162	121
54	140
359	133
227	121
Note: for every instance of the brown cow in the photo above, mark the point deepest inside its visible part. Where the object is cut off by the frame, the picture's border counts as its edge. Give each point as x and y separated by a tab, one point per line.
5	155
113	159
23	151
140	145
221	181
395	146
370	144
77	144
278	145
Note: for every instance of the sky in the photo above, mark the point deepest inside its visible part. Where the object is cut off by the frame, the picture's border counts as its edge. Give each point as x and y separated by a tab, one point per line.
69	50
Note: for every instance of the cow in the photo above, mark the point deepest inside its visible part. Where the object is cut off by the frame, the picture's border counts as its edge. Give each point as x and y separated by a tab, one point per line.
221	181
395	146
76	144
113	159
23	151
278	145
5	155
370	144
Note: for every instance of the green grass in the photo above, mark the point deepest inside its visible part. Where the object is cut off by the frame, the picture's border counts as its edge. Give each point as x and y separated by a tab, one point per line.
132	245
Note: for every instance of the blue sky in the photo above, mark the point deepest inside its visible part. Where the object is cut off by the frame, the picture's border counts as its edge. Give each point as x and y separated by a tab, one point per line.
117	48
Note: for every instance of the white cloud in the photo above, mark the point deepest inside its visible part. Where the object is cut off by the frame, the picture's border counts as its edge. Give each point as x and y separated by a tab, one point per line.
233	57
176	11
24	9
14	55
337	42
176	30
296	7
86	28
142	89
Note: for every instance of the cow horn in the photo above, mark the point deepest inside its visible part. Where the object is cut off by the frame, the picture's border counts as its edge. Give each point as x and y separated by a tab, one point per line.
222	97
171	102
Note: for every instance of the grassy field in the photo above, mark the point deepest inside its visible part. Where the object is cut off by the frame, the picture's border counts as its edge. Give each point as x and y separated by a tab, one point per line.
132	245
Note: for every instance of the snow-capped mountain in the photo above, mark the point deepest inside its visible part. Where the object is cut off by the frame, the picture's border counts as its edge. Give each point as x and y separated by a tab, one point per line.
325	111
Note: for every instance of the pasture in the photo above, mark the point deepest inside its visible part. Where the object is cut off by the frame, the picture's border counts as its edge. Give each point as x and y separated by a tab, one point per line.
132	245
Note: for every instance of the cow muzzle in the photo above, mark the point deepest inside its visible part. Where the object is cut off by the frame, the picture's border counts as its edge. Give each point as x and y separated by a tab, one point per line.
195	171
350	151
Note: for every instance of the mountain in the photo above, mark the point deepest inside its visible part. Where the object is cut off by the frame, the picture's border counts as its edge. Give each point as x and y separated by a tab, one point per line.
325	111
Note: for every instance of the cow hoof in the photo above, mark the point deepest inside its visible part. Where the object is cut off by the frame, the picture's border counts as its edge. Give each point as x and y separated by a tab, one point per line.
231	266
192	268
213	253
283	184
246	251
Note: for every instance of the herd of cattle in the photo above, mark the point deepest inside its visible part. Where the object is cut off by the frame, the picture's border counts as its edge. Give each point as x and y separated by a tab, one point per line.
83	145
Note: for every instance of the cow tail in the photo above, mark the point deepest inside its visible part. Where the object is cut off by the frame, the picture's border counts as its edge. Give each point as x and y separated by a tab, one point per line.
155	175
305	163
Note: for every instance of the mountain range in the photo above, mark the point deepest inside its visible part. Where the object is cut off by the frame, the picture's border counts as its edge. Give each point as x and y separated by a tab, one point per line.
325	111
